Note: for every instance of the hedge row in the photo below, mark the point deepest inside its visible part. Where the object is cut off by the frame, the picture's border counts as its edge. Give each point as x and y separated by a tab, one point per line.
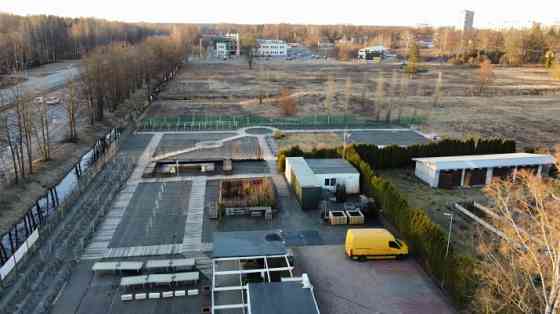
397	156
425	238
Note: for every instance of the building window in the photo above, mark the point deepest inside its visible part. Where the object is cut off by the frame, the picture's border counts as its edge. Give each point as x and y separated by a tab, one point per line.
330	182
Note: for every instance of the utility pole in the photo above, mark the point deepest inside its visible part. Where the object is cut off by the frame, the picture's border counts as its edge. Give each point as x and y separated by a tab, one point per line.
450	215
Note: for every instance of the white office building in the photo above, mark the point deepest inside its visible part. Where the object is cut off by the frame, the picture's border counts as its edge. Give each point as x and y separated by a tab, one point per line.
271	48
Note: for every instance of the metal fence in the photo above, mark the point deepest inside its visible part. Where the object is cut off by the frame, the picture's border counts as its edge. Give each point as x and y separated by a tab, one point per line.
55	197
196	123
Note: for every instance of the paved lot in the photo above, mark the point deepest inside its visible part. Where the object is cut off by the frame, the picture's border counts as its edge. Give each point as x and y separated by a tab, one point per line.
372	287
156	215
100	294
245	148
174	142
45	78
300	227
387	137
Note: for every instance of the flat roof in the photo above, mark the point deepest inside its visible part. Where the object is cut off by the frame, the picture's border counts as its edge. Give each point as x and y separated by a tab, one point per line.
248	243
281	298
331	166
486	161
300	168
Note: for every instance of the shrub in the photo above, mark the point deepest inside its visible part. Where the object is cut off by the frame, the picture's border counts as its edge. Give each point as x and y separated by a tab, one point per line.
287	103
277	135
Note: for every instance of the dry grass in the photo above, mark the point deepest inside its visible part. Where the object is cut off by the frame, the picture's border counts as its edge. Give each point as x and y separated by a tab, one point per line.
308	141
520	103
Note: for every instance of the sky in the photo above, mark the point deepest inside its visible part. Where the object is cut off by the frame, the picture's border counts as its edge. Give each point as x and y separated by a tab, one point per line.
488	13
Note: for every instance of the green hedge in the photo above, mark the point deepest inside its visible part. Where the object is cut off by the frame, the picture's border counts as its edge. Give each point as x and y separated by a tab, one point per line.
397	156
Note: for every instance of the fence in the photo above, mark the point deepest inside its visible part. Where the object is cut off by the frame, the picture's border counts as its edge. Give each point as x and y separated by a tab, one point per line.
56	199
195	123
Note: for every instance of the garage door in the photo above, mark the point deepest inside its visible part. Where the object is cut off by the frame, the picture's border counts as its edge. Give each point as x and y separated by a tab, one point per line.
474	177
449	179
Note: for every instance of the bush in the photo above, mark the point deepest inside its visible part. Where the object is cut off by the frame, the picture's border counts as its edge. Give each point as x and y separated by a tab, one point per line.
277	135
287	103
397	156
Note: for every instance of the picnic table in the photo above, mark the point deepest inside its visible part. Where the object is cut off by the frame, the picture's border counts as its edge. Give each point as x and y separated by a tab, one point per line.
159	279
117	266
180	263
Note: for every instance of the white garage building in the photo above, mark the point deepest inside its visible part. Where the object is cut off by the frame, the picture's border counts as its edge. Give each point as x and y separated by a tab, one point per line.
478	170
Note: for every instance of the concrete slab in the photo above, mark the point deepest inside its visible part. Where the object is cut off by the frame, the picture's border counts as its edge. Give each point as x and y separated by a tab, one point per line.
381	286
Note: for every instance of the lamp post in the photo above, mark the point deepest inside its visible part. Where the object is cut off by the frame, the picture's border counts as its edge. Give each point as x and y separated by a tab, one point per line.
450	215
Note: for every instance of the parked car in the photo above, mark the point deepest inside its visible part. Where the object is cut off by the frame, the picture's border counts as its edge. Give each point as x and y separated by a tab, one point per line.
362	244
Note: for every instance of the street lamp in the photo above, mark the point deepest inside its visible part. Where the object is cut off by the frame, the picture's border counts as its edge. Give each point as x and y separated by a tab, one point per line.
450	215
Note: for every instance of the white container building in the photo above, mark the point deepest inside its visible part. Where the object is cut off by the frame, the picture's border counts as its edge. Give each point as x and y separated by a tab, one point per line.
478	170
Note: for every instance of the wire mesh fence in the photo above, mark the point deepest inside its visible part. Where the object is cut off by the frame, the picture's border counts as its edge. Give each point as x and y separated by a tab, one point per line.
221	122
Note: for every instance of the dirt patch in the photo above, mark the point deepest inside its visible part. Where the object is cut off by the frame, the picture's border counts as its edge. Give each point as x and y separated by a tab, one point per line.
309	141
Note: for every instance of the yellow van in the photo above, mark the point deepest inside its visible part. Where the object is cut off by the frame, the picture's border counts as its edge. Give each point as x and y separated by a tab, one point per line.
374	242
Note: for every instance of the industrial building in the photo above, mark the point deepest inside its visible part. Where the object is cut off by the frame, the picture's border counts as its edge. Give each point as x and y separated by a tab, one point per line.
309	177
478	170
253	273
271	48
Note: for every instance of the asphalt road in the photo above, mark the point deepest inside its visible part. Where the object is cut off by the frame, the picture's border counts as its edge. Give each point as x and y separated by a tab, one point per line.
43	79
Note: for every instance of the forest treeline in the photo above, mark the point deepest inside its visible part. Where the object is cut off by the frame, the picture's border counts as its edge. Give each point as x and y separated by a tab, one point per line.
512	46
27	41
110	75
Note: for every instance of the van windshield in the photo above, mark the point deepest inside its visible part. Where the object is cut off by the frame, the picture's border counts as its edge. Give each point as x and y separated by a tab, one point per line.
398	242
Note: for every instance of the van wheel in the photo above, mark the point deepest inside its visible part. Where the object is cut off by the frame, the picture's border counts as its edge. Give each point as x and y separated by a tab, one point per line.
362	258
401	256
354	257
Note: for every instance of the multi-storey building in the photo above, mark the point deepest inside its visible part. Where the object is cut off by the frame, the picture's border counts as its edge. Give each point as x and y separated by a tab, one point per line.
227	45
271	48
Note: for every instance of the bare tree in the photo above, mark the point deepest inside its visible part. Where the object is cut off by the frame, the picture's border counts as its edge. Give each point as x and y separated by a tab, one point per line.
364	90
486	75
71	107
403	91
248	48
23	132
347	94
394	89
379	95
287	102
329	98
40	120
438	90
519	270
